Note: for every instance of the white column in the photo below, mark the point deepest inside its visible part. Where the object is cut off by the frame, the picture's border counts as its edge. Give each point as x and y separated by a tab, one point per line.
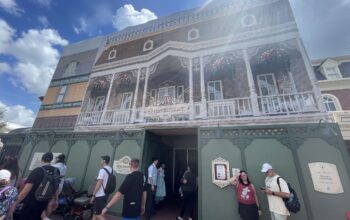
190	73
133	113
312	77
144	95
252	91
203	98
102	120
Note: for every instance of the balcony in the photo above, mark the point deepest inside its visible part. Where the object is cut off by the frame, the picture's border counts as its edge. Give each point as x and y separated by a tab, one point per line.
288	104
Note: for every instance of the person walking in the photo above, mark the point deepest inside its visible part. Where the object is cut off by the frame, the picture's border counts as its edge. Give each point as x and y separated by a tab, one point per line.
33	206
188	187
99	197
8	194
161	191
275	193
134	191
248	204
151	187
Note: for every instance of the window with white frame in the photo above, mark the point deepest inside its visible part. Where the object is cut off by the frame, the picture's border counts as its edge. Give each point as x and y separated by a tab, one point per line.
112	54
215	90
126	100
193	34
166	95
148	45
180	94
332	73
61	93
96	104
267	84
70	70
330	103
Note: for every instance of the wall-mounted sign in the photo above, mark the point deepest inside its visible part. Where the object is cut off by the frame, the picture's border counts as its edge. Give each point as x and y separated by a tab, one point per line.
235	171
325	178
220	172
36	160
122	166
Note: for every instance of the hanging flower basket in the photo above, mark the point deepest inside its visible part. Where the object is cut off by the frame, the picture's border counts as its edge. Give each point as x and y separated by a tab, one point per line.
275	58
222	63
124	79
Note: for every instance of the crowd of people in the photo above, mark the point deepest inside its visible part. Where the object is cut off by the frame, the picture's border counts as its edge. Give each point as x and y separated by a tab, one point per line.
33	198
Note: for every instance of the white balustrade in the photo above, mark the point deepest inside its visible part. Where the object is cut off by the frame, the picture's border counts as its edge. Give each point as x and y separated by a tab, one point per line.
89	118
230	108
287	103
117	117
197	109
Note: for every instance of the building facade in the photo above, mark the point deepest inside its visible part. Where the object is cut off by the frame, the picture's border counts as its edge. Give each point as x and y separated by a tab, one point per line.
230	81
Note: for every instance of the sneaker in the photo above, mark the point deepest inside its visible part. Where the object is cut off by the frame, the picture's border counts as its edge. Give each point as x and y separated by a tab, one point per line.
179	218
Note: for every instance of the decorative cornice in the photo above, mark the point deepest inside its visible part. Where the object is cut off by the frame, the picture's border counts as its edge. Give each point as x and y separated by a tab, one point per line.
70	80
183	19
333	85
61	105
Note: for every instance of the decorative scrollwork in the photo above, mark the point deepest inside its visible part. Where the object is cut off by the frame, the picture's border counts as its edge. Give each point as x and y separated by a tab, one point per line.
292	142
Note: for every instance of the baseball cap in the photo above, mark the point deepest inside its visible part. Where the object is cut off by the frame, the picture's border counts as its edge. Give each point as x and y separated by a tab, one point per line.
265	167
47	157
5	175
106	158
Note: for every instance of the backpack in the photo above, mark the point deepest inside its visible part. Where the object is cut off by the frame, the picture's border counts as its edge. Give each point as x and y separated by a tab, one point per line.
48	185
292	203
111	183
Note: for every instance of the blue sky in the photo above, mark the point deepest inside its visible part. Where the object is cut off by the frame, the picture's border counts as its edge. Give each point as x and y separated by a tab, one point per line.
33	33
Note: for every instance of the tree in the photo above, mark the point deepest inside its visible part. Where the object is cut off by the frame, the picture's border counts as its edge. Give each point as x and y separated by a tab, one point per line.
2	115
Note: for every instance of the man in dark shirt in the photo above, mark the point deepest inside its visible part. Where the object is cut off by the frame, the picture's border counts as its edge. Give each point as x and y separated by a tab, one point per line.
134	192
32	209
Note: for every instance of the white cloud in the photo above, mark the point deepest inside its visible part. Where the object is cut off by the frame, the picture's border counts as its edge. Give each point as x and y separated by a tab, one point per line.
43	20
6	34
11	7
82	26
35	54
4	68
128	16
18	114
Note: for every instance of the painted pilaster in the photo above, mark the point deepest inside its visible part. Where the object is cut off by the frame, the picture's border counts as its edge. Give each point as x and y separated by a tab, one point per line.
203	98
102	119
190	73
312	77
144	95
252	91
133	113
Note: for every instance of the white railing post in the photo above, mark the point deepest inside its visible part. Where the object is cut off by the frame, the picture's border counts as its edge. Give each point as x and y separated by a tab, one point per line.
133	113
107	100
204	113
312	77
252	91
144	95
190	73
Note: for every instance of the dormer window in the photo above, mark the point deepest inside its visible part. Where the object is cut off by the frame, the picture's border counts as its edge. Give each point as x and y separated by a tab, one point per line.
329	68
148	45
112	54
193	34
248	21
332	73
70	70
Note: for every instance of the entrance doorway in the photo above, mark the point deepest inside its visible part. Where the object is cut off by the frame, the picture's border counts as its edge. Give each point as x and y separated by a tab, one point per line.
177	148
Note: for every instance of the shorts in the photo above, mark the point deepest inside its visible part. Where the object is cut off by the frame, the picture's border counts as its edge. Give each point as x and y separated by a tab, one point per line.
99	204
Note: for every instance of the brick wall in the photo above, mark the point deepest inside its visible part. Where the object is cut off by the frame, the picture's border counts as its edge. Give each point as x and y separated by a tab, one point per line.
76	92
58	112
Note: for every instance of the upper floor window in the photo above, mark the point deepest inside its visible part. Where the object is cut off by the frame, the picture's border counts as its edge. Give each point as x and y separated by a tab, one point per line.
248	21
192	34
96	104
215	90
61	93
180	94
112	54
70	70
153	97
267	84
166	95
126	100
332	73
148	45
331	103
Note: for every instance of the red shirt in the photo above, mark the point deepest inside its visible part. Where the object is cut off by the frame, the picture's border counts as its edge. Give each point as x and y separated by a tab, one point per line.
245	194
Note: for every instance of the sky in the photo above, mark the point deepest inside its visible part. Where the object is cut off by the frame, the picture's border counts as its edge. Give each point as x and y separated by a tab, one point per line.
34	32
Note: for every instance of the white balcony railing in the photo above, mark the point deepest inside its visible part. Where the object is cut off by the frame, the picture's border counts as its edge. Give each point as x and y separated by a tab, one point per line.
229	108
116	116
287	104
89	118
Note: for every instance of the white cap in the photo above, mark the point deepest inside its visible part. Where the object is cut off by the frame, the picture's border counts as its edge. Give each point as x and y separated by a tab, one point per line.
265	167
5	175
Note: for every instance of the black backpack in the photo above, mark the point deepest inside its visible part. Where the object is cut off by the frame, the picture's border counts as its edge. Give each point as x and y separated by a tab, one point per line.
48	185
292	203
111	183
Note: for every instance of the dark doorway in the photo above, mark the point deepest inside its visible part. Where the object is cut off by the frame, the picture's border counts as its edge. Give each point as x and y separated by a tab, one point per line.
177	148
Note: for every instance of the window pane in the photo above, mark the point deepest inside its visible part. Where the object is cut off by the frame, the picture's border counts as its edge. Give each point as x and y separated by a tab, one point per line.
60	98
63	90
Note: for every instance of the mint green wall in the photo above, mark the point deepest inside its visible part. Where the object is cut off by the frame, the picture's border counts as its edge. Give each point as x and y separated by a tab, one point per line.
24	158
281	158
60	147
325	206
42	146
217	203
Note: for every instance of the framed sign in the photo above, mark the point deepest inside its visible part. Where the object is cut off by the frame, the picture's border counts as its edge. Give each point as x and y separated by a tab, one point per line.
122	166
325	178
220	172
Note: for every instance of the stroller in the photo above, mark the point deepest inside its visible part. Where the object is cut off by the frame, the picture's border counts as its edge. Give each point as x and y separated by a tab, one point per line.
79	207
